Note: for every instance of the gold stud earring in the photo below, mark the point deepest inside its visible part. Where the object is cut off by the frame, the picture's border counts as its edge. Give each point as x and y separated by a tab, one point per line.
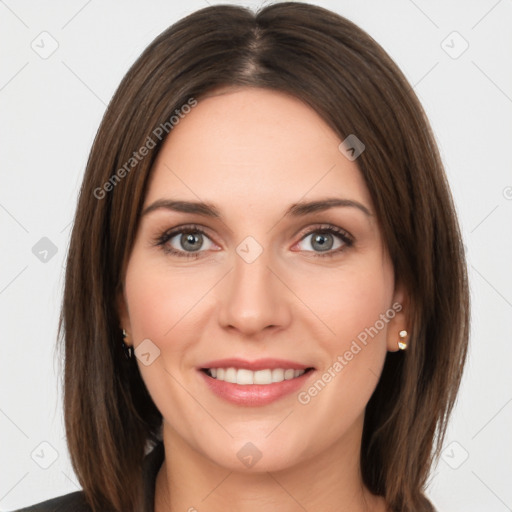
401	342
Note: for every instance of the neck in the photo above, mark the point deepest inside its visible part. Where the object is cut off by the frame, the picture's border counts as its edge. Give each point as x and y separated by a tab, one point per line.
188	481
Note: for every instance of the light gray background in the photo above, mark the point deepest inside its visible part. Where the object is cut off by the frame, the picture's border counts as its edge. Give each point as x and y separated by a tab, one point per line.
50	110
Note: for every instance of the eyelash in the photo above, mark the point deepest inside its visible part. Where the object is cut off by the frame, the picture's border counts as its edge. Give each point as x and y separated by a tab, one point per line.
162	239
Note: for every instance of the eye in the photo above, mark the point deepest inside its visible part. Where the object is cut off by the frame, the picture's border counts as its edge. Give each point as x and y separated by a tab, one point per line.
187	241
327	240
191	241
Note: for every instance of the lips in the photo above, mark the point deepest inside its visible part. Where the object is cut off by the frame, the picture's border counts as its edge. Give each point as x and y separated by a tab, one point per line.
253	383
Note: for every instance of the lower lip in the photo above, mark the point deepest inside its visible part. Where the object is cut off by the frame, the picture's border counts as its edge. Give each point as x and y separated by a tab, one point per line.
255	394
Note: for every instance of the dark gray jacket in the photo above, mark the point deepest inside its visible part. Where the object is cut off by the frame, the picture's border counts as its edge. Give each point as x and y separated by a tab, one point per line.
75	501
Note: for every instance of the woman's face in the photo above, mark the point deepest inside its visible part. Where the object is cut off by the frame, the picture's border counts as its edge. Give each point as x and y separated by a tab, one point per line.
262	284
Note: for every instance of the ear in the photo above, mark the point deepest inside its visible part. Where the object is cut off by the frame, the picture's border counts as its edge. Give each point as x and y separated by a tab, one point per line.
400	322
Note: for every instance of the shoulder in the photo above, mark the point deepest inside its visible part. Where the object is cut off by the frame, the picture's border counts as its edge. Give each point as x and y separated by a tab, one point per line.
76	502
72	502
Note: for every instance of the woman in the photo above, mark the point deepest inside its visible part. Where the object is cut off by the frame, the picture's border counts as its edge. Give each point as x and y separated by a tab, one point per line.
266	302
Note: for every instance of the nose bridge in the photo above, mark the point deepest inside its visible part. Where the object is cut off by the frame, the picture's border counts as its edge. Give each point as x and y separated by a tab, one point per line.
253	298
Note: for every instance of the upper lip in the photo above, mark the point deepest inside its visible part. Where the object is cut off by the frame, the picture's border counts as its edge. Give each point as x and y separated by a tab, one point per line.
258	364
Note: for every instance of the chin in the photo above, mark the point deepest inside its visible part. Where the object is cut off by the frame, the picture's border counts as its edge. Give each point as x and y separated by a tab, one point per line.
256	454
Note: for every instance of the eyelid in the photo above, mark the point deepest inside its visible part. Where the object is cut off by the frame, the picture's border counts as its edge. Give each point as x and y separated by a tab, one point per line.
347	240
163	238
326	227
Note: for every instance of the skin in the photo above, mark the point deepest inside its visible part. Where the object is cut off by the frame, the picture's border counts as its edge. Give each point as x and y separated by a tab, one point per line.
252	153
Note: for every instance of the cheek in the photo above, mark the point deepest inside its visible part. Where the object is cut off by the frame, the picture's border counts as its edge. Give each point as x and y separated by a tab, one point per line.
355	354
162	306
159	300
355	306
350	300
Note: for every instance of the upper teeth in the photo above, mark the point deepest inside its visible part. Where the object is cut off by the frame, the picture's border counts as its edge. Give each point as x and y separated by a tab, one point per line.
243	376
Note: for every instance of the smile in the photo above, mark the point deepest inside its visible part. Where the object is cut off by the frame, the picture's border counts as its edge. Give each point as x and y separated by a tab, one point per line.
245	377
256	383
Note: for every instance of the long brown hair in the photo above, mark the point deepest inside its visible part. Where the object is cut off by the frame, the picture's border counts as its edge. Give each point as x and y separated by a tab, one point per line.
332	65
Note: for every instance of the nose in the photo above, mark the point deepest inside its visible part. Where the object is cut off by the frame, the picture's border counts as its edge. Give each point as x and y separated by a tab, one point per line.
253	298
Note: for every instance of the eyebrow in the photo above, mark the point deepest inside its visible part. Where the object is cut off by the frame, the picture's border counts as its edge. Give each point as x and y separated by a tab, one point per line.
295	210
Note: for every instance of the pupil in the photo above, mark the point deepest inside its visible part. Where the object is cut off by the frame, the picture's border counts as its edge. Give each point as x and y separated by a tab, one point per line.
189	240
323	242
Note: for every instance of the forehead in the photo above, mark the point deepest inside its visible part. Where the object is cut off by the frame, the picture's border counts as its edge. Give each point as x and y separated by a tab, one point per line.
253	146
